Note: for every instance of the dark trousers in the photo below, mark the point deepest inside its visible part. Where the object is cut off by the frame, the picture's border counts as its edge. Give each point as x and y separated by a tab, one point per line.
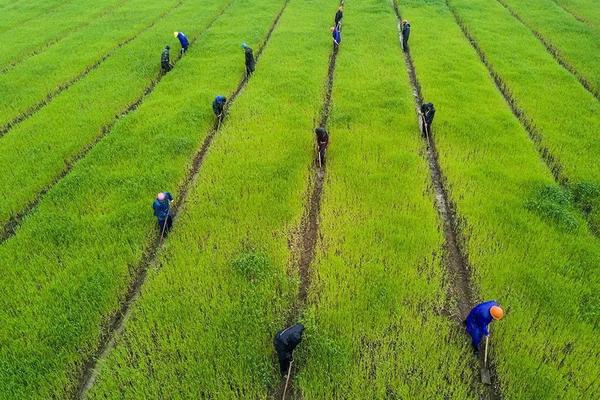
183	49
285	359
166	67
322	154
405	42
165	224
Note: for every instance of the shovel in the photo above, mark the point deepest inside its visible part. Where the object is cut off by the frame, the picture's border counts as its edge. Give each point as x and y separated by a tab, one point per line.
485	372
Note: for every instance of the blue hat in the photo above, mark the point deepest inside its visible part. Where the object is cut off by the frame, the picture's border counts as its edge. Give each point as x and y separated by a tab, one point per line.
244	45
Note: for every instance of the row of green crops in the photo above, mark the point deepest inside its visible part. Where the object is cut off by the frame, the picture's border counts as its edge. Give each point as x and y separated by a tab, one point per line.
564	114
376	323
513	219
585	10
37	151
31	81
204	324
576	42
22	40
17	13
69	265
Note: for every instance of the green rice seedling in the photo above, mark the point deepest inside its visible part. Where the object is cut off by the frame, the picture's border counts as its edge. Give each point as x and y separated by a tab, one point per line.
574	41
206	317
377	321
18	13
71	262
584	10
31	38
564	116
42	149
68	61
546	277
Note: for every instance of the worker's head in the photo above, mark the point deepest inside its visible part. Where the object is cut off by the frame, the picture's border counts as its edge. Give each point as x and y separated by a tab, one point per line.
404	21
161	196
175	34
244	46
332	28
341	8
496	312
167	47
320	130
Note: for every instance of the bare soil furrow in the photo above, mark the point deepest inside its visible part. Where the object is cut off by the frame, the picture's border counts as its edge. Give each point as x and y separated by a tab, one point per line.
455	259
117	321
305	238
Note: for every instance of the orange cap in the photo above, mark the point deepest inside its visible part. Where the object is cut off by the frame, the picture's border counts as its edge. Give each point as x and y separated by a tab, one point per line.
497	312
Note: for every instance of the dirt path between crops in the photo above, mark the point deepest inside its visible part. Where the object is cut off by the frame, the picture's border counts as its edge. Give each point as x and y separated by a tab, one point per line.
117	323
553	51
454	258
10	227
61	36
66	85
571	13
305	238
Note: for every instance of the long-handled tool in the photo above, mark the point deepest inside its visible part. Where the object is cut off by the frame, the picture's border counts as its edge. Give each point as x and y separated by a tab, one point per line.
485	372
287	380
162	231
319	153
426	129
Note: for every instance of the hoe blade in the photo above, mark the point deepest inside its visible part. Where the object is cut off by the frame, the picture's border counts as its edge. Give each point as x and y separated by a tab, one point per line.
485	376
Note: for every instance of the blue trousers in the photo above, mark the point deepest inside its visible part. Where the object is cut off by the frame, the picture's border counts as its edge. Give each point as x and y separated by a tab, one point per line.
476	335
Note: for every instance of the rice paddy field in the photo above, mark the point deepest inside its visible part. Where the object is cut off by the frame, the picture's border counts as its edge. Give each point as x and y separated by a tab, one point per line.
380	249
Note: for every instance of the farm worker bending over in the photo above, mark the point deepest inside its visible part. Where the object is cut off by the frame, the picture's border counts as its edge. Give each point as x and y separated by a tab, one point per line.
405	34
250	62
427	113
162	211
337	35
322	142
478	320
285	342
165	60
338	17
183	40
218	105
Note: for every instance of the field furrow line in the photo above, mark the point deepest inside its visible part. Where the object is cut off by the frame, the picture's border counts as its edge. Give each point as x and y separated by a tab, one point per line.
58	39
455	258
554	52
551	161
11	226
117	321
66	85
573	14
307	234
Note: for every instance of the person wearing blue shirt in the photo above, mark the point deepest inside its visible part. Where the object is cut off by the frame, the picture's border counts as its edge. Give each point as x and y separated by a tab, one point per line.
183	40
337	35
219	105
162	211
478	320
